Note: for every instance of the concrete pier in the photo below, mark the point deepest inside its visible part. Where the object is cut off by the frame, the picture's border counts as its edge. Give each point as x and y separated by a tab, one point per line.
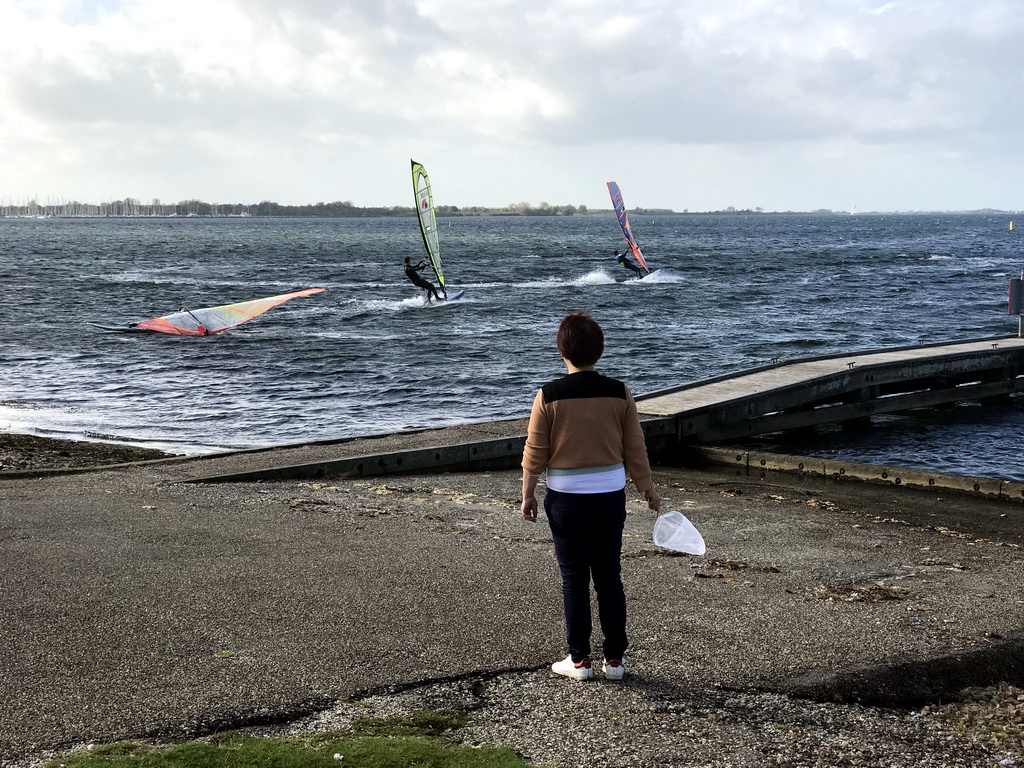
681	423
839	388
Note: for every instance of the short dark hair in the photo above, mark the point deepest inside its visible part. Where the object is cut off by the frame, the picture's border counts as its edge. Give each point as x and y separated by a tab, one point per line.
580	339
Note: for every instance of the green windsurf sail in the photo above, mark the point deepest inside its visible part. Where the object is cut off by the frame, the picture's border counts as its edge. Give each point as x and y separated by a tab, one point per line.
428	221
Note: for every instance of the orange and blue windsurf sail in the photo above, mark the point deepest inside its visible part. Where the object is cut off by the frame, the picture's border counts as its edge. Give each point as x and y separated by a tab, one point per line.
211	320
620	214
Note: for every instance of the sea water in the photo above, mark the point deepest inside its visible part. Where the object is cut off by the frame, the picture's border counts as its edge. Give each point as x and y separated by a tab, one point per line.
370	355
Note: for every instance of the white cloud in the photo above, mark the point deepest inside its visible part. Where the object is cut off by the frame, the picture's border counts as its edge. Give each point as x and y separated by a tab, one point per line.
306	100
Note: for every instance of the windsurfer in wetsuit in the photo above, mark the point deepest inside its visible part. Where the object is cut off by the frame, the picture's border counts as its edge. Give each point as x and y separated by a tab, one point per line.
622	259
412	272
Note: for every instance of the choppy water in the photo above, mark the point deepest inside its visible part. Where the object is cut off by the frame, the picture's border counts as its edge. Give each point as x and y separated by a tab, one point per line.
368	356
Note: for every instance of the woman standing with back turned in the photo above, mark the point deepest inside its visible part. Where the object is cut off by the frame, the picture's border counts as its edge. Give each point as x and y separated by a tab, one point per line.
584	430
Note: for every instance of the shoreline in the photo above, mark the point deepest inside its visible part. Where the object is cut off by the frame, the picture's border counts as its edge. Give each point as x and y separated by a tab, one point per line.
23	452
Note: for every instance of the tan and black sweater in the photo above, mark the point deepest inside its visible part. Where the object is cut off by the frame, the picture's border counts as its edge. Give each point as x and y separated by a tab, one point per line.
586	420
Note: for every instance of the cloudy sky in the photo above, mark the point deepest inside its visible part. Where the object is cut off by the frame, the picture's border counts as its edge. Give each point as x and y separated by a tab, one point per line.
688	104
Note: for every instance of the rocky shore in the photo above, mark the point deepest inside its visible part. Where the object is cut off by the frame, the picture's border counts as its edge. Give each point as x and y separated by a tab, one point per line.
829	624
30	452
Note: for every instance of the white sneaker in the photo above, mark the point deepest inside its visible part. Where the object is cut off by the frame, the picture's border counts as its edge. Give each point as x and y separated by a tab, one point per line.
614	669
568	668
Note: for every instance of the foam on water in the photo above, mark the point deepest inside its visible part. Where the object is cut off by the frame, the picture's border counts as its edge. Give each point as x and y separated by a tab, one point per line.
598	277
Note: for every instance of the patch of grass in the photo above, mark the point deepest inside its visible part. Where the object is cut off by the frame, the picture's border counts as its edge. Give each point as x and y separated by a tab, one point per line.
422	722
397	742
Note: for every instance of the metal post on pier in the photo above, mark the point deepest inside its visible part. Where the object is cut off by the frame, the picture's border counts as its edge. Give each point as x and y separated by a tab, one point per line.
1015	304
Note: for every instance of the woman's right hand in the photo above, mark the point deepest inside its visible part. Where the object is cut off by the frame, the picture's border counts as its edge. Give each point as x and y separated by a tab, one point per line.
529	508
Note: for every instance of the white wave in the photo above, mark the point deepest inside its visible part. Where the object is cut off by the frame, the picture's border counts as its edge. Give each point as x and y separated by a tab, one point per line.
359	307
661	276
597	277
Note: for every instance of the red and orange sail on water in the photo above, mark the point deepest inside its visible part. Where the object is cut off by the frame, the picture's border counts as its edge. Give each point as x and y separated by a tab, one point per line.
211	320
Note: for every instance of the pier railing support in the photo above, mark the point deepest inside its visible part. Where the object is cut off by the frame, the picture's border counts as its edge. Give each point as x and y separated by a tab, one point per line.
1015	302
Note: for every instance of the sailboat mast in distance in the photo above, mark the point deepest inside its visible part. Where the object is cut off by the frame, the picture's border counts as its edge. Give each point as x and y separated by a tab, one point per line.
428	222
620	214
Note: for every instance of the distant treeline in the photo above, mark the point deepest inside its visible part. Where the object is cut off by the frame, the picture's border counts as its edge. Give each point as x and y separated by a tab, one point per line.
338	209
345	209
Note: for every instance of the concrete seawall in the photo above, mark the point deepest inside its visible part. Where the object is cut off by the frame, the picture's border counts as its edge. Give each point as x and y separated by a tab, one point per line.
474	448
442	451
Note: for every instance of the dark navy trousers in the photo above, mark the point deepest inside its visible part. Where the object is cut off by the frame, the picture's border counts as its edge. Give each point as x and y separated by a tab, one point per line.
587	529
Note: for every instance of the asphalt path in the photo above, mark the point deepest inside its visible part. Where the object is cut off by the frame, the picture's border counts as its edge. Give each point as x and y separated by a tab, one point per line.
135	605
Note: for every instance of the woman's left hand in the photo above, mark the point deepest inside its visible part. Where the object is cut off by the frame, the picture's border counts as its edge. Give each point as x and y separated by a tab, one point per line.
653	500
